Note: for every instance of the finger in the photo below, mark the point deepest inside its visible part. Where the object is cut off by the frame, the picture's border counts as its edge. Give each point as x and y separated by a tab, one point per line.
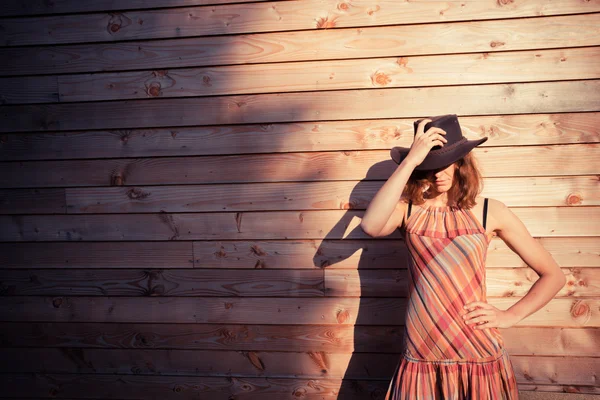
477	304
478	320
486	325
477	313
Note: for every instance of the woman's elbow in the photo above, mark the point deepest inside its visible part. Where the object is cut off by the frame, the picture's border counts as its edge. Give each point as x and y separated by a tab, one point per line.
368	230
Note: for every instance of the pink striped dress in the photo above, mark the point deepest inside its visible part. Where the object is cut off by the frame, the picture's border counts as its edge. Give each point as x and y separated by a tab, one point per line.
443	357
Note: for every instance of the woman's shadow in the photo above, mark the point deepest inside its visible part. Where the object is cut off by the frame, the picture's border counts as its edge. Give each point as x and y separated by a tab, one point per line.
378	278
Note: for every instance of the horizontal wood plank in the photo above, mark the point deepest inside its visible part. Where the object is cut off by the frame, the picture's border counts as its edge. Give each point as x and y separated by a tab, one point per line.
23	201
347	254
206	388
328	44
28	7
517	98
29	89
97	255
500	282
516	192
568	313
316	365
412	71
264	17
524	341
540	221
504	130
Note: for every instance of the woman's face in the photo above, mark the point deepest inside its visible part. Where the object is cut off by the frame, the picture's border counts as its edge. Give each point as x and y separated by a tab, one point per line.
441	179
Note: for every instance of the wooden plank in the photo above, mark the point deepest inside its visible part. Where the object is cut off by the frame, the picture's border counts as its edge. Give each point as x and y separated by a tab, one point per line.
517	98
419	39
264	17
29	89
569	313
520	66
355	195
29	7
500	282
506	130
211	388
37	201
153	282
348	254
96	255
330	224
510	161
524	341
256	364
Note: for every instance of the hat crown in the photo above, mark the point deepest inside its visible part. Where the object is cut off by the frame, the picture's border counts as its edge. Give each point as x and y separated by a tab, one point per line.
447	122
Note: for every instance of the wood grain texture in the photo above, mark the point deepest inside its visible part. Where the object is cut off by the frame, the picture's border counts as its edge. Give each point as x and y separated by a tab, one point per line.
500	282
344	195
314	365
517	98
523	161
524	341
502	130
28	7
97	255
559	312
265	17
412	71
541	221
206	388
347	254
406	40
550	191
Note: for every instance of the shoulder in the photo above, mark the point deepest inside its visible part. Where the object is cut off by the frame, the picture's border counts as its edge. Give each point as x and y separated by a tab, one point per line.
496	212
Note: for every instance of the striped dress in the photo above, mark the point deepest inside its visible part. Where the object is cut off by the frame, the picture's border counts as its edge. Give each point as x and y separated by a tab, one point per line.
443	357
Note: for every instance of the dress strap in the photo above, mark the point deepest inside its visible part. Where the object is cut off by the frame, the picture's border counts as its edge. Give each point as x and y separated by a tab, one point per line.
409	207
485	205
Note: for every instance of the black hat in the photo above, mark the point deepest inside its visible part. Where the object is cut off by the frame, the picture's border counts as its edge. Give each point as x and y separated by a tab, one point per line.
440	156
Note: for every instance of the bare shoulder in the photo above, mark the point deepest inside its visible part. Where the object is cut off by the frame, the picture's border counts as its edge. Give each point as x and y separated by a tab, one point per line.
495	210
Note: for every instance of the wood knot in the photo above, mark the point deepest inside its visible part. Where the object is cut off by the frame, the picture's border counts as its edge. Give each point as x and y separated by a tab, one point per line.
581	310
137	194
228	306
258	251
342	316
57	302
504	2
206	80
380	79
221	253
343	6
497	43
116	22
574	199
372	11
117	180
153	90
324	23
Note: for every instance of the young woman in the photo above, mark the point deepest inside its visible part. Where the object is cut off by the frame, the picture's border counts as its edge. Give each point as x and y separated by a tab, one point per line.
452	347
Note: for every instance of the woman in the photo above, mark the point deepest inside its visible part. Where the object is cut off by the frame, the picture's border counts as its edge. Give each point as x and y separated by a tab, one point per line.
452	347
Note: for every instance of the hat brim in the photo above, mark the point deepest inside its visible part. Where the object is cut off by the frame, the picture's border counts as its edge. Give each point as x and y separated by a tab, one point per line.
432	161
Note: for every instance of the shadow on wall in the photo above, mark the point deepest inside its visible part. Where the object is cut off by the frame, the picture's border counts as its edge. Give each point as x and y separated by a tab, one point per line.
377	333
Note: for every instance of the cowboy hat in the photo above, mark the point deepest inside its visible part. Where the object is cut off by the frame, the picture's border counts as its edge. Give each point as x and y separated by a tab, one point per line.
439	156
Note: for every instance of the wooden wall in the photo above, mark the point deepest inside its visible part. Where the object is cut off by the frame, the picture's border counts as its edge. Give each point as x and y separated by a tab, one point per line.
182	183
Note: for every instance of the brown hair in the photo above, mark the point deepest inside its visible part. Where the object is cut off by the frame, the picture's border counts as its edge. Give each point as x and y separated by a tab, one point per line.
467	183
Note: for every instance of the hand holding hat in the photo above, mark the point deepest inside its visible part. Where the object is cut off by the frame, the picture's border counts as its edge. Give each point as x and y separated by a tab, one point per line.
433	149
